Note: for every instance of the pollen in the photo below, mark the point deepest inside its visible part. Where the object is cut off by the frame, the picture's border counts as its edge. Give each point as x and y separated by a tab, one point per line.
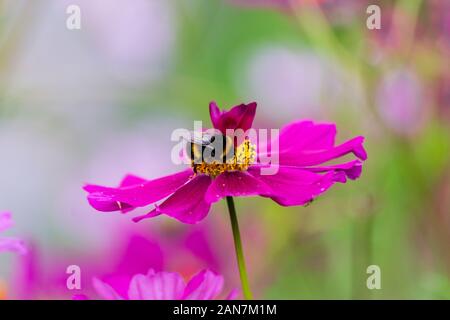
244	156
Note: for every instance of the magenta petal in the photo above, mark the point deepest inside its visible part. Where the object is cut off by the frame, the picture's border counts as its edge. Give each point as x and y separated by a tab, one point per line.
187	204
306	143
238	117
293	186
101	202
105	291
214	113
198	242
235	183
136	195
233	294
307	135
132	261
119	282
206	285
311	158
130	180
6	221
352	169
156	286
12	245
151	214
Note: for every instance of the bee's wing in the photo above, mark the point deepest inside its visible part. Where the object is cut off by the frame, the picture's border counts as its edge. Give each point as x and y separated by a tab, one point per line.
200	140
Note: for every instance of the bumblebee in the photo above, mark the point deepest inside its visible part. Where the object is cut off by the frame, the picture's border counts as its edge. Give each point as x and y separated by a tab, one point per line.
210	149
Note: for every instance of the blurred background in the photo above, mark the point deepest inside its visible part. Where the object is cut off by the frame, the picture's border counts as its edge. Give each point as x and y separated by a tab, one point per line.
94	104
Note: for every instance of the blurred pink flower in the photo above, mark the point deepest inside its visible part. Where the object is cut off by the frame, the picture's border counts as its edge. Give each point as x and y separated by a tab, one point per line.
400	102
41	275
205	285
303	147
10	244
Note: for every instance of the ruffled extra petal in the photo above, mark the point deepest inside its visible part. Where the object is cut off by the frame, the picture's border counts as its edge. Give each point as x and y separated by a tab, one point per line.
238	117
306	143
306	135
292	186
352	169
304	150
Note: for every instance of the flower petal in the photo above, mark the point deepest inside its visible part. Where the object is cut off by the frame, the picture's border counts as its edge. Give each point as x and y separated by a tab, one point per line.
151	214
13	245
105	290
6	221
235	183
156	286
294	157
292	186
130	180
307	135
214	113
233	294
102	202
352	169
187	204
305	143
238	117
205	285
135	195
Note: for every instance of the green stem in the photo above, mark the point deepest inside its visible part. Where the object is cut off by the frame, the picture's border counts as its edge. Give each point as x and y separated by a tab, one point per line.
239	252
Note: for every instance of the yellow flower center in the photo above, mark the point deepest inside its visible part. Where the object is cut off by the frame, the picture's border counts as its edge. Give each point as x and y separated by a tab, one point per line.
244	156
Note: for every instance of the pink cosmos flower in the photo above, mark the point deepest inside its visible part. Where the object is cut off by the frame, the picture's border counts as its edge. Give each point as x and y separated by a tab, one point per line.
10	244
305	148
42	275
205	285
